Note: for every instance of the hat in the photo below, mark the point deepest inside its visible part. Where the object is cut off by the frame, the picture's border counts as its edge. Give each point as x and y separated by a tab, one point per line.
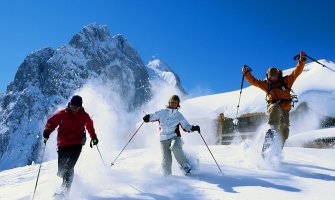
272	71
77	101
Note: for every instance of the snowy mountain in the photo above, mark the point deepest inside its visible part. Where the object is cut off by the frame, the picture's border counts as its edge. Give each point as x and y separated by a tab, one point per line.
93	62
161	72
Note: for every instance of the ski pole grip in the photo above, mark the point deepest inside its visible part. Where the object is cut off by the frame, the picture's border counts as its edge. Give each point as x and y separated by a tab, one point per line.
91	143
296	57
250	70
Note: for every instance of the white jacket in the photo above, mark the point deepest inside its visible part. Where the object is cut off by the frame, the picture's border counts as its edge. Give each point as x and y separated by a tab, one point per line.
169	120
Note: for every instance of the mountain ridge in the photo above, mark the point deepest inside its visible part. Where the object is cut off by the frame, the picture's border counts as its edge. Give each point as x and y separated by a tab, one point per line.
48	77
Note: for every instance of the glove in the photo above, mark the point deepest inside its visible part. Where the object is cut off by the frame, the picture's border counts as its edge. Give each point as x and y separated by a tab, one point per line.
46	135
246	69
303	56
196	128
94	141
146	118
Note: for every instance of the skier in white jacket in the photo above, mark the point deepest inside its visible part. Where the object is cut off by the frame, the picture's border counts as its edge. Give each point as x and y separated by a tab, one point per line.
169	121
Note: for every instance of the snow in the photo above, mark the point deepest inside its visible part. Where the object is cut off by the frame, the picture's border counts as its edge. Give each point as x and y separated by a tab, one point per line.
310	136
301	174
162	71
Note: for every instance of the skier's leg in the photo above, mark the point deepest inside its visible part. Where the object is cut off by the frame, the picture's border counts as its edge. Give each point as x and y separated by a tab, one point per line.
179	154
62	160
70	157
275	112
268	141
284	127
67	179
167	158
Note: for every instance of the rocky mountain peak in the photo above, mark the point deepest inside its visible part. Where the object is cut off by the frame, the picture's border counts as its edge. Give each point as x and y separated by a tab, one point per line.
32	70
90	36
159	70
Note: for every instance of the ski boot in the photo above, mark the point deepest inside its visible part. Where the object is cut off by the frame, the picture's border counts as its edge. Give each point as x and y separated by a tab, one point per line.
268	142
61	194
272	147
186	168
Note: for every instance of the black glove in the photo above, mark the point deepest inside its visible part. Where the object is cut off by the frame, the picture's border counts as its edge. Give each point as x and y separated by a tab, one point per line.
46	135
196	128
94	141
303	56
246	69
146	118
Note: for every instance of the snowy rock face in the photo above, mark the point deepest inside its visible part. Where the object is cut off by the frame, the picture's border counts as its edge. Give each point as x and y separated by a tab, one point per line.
160	71
47	78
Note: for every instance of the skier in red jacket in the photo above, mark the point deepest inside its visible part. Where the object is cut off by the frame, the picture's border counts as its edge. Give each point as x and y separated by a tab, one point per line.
71	123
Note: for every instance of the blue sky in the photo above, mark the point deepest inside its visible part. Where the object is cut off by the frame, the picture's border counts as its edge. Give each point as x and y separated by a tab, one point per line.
205	41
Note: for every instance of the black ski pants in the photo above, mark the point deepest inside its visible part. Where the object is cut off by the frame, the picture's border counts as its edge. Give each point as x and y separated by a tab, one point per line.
67	159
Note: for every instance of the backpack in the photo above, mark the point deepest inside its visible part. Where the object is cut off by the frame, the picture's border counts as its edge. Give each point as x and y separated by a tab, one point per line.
293	97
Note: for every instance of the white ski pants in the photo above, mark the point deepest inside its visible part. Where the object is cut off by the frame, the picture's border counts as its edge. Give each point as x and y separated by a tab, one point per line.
175	145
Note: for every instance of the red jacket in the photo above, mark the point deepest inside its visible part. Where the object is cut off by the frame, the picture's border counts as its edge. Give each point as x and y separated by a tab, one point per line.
71	127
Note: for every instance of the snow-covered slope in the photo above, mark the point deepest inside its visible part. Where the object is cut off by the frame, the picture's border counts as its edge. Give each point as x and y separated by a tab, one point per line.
309	137
304	174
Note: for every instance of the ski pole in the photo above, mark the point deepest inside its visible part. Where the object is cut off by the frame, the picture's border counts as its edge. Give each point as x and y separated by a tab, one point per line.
239	99
126	144
103	162
211	153
298	56
100	155
39	170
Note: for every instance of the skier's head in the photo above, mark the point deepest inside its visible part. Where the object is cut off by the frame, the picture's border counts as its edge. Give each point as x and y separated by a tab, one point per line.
174	102
76	101
273	74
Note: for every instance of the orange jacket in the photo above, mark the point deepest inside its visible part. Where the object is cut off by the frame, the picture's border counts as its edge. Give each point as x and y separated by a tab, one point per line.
278	92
